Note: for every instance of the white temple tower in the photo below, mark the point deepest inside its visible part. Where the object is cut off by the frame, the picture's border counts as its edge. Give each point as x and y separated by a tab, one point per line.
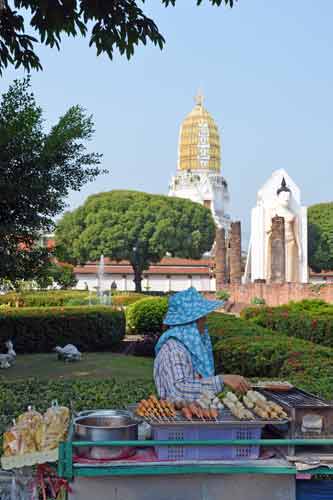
198	176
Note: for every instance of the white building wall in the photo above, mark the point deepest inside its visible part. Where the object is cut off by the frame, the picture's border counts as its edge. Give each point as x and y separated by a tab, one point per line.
156	283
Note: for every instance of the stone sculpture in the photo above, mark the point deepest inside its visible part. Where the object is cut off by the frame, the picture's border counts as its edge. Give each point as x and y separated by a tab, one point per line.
279	197
68	353
7	360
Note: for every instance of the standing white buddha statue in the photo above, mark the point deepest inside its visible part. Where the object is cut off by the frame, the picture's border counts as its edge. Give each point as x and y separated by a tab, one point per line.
293	249
279	196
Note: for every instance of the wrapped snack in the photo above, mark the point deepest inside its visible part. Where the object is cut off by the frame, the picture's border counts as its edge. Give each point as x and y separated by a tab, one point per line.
56	421
33	421
31	417
27	440
11	441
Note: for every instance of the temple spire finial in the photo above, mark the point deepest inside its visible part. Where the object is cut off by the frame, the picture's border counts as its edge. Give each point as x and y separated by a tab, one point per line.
199	98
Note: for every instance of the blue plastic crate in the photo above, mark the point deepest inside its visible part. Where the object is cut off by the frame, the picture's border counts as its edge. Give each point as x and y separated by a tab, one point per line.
206	432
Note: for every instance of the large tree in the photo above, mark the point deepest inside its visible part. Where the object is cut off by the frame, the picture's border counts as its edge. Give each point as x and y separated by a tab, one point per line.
320	237
115	24
37	171
134	226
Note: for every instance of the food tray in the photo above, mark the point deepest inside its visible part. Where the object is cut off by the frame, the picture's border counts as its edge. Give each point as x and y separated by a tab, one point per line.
225	417
29	459
271	386
209	431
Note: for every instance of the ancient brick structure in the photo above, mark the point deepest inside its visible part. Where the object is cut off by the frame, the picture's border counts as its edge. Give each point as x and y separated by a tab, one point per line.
277	251
220	259
235	253
276	294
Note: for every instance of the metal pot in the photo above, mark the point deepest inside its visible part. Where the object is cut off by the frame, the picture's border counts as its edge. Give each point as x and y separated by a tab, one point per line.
105	425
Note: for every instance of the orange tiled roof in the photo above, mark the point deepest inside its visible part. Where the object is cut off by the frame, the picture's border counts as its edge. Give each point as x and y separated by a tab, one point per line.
167	265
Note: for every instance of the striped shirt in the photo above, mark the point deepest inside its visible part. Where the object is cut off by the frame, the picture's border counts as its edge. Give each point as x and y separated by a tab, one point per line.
175	377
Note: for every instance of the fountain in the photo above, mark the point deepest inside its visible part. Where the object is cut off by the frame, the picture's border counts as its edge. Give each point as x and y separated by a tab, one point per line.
102	294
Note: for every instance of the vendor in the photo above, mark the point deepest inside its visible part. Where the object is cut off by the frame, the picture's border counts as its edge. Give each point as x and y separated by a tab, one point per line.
184	363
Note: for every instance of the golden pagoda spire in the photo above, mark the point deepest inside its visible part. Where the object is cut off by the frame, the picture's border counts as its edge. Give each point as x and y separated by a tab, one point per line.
199	98
199	141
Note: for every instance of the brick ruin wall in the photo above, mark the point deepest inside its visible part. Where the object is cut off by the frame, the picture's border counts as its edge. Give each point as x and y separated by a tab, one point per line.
276	294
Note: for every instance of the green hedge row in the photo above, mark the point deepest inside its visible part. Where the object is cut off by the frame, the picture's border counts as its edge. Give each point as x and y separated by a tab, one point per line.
51	298
41	329
314	306
312	323
243	347
80	395
59	298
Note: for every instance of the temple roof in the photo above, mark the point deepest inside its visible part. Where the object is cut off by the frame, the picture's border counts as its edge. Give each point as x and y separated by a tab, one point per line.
199	141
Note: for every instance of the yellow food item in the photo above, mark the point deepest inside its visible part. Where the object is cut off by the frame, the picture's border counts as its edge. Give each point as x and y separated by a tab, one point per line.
11	442
27	443
56	421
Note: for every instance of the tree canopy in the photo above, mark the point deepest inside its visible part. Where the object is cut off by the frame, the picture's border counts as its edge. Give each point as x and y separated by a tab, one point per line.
60	275
115	25
134	226
37	171
320	236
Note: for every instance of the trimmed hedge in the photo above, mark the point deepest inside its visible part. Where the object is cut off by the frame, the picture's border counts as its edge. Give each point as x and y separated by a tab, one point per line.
59	298
128	299
41	329
116	300
312	322
51	298
243	347
145	317
80	395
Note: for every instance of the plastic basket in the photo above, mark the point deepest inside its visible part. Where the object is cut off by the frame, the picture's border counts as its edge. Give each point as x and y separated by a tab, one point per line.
207	432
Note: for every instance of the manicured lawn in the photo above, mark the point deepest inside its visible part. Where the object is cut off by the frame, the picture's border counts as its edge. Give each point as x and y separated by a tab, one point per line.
92	366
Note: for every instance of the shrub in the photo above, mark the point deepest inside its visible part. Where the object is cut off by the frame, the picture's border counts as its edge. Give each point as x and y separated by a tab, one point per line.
145	317
243	347
310	321
146	347
82	301
258	301
50	298
223	295
127	299
59	298
41	329
15	397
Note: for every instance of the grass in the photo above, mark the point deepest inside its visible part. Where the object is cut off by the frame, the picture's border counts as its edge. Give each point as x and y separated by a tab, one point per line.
92	366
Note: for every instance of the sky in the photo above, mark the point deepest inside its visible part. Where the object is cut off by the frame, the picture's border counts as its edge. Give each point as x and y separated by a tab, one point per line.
265	68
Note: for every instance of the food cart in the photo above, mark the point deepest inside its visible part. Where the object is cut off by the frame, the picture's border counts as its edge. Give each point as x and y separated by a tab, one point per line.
108	454
198	480
164	468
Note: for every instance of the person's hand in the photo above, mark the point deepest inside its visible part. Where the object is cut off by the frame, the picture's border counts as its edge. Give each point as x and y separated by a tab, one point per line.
236	383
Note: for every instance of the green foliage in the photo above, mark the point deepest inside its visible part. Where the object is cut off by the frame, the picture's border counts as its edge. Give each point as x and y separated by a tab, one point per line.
223	295
61	275
320	236
258	301
253	351
82	301
134	226
34	330
145	317
113	25
308	319
47	298
53	298
80	395
38	169
126	300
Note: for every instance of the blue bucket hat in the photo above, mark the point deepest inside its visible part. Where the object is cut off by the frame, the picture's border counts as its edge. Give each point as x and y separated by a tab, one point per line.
188	306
